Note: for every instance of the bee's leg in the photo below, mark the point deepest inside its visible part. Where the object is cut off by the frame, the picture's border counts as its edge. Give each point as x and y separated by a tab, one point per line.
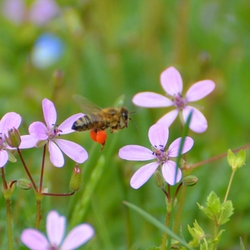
103	145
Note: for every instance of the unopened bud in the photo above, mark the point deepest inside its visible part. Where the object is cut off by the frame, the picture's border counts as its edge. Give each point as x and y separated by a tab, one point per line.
13	139
24	184
158	179
190	180
76	180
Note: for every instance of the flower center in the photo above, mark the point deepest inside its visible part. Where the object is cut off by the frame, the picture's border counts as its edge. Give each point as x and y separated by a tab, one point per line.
54	131
179	101
160	154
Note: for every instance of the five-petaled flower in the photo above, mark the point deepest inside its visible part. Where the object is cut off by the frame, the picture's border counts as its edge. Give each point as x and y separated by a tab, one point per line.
9	121
171	82
55	226
50	133
158	137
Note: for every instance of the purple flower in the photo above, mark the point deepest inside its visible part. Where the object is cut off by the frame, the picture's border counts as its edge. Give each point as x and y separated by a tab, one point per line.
171	82
55	226
9	120
50	133
158	137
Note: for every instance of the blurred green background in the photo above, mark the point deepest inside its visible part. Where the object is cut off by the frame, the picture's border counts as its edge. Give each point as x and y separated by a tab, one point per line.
113	48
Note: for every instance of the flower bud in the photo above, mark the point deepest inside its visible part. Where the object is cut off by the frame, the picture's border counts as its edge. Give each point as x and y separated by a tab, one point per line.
76	180
24	184
13	139
158	179
190	180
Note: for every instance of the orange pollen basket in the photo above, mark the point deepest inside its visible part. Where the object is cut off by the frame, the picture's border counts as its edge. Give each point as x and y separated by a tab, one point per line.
98	136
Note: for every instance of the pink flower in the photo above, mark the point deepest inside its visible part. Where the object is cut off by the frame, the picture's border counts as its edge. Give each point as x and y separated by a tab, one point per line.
50	134
158	137
55	226
171	82
41	11
9	120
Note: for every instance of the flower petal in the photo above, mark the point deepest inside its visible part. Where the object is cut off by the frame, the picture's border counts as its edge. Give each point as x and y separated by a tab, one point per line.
49	112
135	153
10	120
173	149
77	237
198	122
55	226
28	141
73	150
3	158
38	130
199	90
158	134
56	156
32	238
171	81
169	118
151	100
143	174
66	126
171	174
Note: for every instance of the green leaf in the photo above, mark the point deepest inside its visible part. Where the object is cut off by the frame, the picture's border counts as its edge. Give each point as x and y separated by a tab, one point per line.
242	247
226	211
213	207
157	223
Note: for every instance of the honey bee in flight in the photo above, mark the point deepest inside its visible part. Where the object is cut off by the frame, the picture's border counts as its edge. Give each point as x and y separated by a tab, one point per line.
97	120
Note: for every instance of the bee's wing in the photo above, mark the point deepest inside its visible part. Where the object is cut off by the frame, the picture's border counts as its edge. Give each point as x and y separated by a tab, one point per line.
86	105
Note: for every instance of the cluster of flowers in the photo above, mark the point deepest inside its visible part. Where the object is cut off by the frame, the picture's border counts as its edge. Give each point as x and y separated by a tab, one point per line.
171	82
48	133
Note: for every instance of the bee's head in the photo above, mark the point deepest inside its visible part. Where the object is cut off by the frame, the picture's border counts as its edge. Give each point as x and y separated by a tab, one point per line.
125	116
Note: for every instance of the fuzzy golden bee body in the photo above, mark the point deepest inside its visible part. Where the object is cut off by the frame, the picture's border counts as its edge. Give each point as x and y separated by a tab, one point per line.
98	119
113	118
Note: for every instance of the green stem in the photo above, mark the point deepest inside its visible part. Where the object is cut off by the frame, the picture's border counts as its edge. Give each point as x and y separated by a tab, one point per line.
229	185
42	170
9	224
38	213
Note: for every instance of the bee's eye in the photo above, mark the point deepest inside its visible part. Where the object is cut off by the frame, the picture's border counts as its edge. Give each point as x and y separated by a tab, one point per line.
125	115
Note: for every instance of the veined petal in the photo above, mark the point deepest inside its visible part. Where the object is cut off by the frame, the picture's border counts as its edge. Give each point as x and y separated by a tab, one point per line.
66	126
56	156
74	151
171	173
158	134
143	174
135	153
199	90
173	149
10	120
171	81
3	158
55	226
28	141
77	237
198	122
32	238
151	100
49	112
169	118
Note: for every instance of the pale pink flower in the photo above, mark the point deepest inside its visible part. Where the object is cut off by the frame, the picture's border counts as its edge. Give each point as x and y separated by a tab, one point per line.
9	120
50	133
158	137
56	226
171	82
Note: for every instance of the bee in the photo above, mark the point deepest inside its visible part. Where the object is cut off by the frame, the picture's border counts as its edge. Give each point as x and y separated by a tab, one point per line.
97	119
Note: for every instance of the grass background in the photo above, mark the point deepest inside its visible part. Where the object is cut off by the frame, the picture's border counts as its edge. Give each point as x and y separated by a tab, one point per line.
114	48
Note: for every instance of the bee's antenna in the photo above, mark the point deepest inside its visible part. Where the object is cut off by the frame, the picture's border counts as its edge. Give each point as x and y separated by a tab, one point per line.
133	112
